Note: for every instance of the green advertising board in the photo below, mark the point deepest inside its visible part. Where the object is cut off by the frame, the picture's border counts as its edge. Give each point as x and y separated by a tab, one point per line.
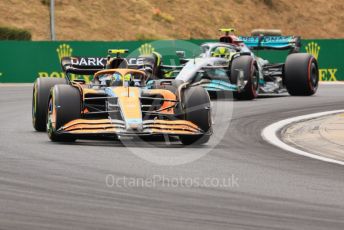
24	61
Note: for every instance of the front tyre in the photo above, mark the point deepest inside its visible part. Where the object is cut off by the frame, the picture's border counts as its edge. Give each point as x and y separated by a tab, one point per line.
196	103
245	65
40	98
301	74
64	106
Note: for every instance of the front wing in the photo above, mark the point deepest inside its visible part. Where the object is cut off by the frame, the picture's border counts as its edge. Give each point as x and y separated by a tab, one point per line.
118	127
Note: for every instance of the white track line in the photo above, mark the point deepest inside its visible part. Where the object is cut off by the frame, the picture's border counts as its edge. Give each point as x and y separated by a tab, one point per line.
270	134
331	82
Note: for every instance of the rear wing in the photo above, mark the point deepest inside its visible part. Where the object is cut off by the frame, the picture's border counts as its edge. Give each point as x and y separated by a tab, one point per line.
292	43
83	65
89	65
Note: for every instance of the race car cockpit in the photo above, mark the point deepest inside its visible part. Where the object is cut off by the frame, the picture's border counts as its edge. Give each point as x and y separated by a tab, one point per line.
119	77
221	51
218	50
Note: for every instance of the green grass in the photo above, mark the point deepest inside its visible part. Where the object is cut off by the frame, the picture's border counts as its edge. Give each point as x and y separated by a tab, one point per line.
8	33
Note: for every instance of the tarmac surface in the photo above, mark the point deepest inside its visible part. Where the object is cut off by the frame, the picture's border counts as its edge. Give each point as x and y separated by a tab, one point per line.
103	185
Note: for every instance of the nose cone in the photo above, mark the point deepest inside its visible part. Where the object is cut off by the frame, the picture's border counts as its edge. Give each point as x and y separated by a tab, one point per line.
130	105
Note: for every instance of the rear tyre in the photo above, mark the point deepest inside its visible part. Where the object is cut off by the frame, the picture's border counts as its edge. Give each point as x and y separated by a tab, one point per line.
301	74
64	106
40	98
196	103
249	68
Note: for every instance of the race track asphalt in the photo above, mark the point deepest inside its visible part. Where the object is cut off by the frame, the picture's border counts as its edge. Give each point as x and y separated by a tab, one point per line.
45	185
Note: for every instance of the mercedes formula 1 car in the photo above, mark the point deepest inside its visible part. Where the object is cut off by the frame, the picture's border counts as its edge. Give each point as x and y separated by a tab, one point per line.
117	103
231	65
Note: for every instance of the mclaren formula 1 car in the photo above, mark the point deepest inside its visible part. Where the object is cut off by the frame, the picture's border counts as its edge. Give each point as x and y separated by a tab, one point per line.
232	65
117	103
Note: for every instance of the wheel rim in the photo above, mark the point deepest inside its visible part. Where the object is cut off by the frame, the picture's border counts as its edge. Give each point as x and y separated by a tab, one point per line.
51	118
313	77
34	104
255	80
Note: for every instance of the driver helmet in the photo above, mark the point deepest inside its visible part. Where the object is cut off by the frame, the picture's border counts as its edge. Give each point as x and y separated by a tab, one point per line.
223	52
117	79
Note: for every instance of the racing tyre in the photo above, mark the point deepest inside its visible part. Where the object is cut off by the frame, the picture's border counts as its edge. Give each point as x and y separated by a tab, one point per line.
247	65
64	106
301	74
196	103
40	98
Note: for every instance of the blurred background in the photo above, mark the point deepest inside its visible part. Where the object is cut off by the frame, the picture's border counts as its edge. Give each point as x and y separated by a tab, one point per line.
107	20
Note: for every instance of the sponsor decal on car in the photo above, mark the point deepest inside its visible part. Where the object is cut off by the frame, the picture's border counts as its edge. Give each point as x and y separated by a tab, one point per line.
267	39
92	61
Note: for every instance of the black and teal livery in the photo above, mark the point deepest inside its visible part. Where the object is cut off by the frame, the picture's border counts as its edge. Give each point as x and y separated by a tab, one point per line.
232	65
